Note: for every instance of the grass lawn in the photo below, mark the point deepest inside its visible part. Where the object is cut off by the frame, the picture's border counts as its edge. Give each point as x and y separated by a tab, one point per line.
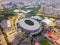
45	42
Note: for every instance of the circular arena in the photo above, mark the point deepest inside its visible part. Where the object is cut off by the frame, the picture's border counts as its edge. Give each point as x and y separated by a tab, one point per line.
29	25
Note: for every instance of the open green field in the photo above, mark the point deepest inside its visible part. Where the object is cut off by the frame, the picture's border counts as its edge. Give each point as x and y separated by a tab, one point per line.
45	42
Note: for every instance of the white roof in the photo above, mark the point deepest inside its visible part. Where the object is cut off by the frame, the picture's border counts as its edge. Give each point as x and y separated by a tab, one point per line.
27	11
20	14
5	23
16	10
36	17
27	27
47	21
8	23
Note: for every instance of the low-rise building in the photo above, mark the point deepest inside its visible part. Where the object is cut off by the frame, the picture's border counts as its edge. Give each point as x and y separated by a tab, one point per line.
36	18
48	22
16	10
50	10
58	22
11	34
6	25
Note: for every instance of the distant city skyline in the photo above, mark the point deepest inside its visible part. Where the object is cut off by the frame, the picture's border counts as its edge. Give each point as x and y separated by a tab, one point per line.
55	3
32	0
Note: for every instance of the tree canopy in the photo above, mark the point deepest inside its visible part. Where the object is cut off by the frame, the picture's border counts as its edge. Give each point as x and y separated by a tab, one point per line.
6	13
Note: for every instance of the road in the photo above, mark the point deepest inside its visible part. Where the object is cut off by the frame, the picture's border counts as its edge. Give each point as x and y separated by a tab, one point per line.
2	39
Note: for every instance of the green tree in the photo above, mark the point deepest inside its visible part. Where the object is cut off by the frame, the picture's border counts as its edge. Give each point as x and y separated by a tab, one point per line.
34	12
6	13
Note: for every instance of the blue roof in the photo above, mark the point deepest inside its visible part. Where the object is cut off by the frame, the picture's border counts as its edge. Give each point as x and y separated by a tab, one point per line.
58	23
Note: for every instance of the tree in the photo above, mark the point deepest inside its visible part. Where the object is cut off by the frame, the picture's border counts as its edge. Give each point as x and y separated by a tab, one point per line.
34	12
6	13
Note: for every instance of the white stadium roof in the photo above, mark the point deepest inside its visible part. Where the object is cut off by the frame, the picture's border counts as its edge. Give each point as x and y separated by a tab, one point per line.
34	25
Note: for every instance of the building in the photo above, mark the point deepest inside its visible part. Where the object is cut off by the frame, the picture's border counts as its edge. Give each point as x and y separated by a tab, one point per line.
50	10
26	11
59	15
29	25
58	22
6	25
7	28
42	9
16	10
36	18
20	5
48	22
26	42
1	8
56	12
46	10
8	4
